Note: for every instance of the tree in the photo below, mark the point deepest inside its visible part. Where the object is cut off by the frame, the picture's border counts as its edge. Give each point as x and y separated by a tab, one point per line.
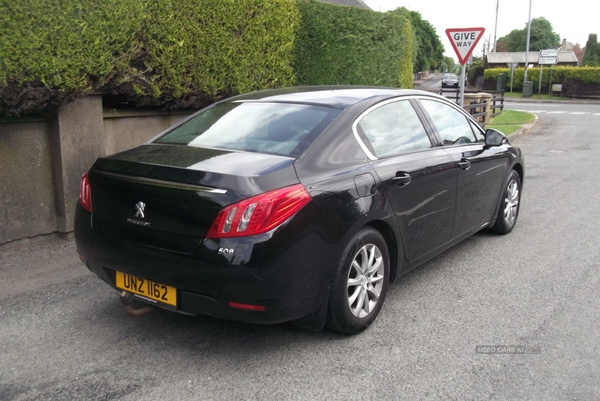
511	42
429	48
447	64
592	51
542	37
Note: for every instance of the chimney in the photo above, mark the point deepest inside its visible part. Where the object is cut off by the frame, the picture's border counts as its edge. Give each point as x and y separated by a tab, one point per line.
563	45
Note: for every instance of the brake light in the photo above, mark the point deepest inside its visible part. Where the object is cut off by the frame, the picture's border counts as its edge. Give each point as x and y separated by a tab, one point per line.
259	214
85	193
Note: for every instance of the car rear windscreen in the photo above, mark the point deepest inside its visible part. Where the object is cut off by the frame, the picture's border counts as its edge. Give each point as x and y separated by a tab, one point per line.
284	129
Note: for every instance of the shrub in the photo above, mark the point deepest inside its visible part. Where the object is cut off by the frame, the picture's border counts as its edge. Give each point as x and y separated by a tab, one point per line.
176	54
51	52
168	53
564	75
196	52
352	46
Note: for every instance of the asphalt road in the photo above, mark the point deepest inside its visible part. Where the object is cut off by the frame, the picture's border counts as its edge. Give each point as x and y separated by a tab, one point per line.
65	336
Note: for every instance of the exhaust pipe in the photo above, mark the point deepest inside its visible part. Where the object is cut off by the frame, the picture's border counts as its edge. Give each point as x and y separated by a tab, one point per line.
127	299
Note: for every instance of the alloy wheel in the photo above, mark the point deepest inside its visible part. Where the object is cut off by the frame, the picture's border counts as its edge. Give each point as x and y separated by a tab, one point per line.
365	280
511	202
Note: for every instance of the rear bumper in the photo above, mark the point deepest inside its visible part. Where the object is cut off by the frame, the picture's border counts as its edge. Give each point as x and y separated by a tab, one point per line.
287	274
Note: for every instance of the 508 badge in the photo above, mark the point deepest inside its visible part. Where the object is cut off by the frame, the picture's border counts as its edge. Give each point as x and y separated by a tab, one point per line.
226	251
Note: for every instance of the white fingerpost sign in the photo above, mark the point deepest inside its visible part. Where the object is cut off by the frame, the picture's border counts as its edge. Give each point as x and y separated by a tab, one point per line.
547	60
464	40
549	53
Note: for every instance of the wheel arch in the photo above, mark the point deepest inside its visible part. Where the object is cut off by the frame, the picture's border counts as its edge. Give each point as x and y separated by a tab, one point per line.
391	241
518	167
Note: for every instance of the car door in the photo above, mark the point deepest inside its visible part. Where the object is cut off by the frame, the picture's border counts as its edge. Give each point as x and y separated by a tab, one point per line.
481	171
418	179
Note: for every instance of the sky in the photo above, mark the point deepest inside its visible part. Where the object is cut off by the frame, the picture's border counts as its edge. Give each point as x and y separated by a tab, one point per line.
573	20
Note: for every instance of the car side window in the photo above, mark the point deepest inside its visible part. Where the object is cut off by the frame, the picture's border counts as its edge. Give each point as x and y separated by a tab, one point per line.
393	129
451	124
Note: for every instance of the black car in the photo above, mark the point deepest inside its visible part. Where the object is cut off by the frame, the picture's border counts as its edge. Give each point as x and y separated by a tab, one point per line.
450	80
299	204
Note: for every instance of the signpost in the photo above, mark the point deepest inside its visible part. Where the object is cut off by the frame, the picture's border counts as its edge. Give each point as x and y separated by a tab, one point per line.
547	57
547	60
512	67
463	41
549	53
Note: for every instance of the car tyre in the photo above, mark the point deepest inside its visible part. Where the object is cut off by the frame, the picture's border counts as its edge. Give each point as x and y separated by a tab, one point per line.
360	283
508	212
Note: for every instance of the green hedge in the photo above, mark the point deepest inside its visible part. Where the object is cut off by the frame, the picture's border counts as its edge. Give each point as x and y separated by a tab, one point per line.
563	75
352	46
51	52
213	48
168	53
176	54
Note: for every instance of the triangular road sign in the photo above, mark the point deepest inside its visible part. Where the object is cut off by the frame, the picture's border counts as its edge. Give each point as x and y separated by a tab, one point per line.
464	41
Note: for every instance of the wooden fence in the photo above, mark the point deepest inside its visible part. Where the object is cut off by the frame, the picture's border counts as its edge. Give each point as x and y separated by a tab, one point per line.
480	110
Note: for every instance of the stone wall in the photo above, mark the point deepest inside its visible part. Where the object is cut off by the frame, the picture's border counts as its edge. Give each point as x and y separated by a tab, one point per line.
42	160
27	203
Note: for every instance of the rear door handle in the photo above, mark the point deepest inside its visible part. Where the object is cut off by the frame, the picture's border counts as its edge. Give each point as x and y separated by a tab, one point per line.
402	178
464	164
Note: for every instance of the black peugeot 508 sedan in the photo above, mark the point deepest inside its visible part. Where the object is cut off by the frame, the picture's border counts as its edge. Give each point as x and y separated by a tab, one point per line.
300	204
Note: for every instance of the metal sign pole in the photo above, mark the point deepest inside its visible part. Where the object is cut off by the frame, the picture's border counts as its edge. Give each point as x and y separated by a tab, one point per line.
527	46
512	77
550	85
541	74
462	85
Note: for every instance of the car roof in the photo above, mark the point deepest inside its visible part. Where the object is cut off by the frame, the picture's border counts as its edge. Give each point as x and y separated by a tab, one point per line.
340	97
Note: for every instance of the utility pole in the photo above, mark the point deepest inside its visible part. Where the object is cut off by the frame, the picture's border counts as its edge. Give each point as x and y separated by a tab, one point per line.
528	36
496	26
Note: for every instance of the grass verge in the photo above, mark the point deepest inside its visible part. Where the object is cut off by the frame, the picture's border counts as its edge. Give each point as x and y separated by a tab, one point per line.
542	97
510	121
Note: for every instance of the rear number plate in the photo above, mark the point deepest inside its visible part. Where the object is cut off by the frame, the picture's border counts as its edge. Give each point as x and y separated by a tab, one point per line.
147	289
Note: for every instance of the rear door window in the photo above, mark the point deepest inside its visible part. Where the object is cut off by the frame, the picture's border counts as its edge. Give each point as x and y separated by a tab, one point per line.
393	129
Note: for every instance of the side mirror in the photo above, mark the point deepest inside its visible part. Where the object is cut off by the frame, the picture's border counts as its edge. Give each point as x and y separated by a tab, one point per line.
494	137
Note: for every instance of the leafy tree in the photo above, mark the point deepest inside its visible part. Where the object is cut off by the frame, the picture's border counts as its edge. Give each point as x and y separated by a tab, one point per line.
511	42
447	64
501	45
429	48
542	37
472	71
592	51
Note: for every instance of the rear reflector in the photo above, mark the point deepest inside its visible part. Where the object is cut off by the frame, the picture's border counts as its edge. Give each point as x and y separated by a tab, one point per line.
256	308
259	214
85	193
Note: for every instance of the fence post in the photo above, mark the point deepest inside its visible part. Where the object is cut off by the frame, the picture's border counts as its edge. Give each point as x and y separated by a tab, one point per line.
487	99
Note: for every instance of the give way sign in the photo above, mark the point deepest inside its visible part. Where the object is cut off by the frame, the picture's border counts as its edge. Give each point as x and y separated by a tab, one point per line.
464	41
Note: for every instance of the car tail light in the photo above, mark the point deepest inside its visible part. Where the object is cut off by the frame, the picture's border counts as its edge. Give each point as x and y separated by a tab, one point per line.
85	193
259	214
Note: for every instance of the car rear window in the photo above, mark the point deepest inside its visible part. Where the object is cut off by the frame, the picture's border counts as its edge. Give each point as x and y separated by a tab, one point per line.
277	128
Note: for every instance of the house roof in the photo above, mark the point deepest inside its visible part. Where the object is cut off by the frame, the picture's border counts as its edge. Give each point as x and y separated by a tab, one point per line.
519	57
349	3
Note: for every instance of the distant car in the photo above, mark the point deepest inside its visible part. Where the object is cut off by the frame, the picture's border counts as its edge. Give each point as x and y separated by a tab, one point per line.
298	204
450	81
